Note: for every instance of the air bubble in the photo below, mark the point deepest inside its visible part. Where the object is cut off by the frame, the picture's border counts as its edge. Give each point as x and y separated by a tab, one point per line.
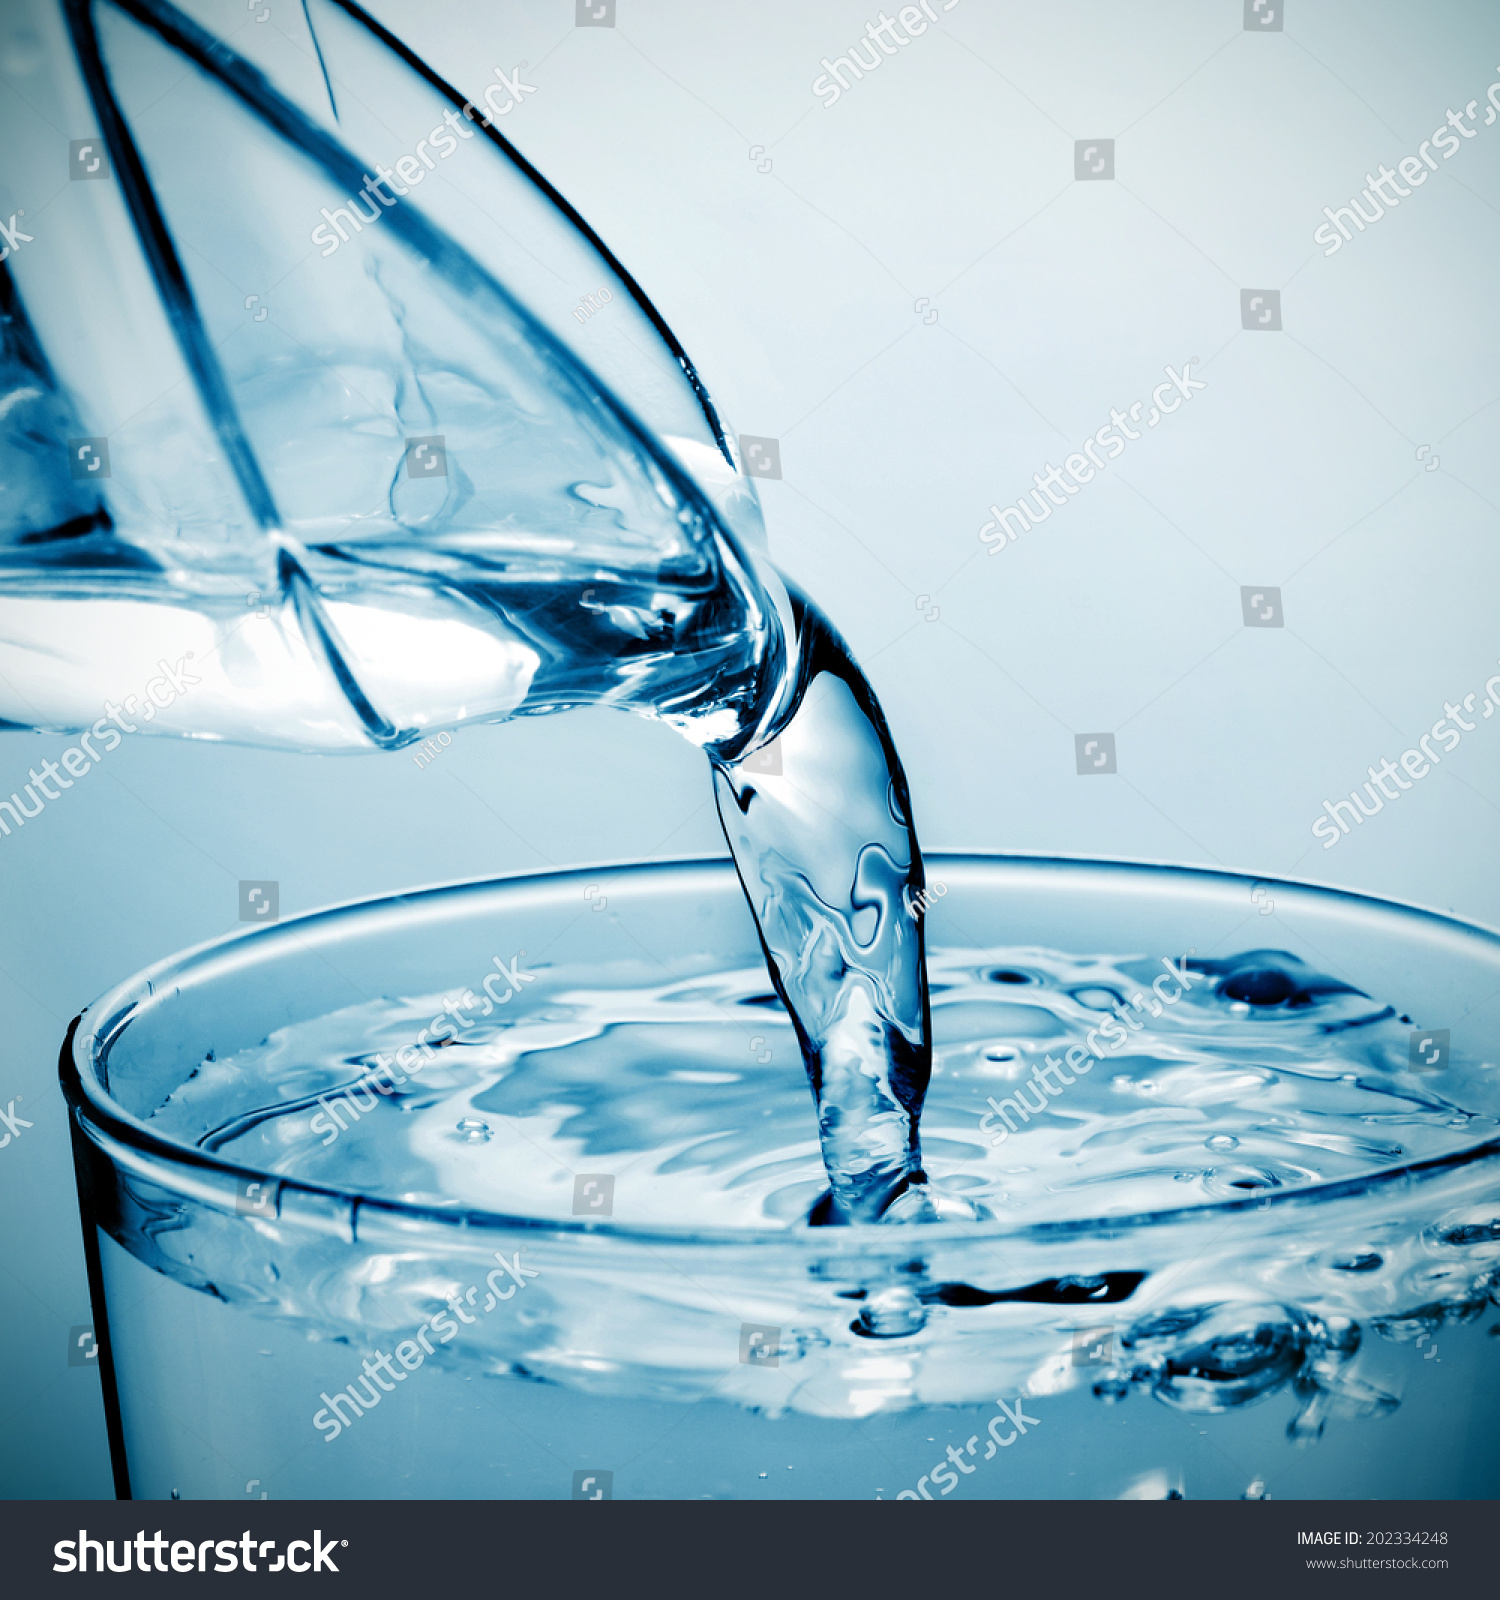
890	1313
1222	1141
1365	1261
1098	998
1261	987
472	1131
1467	1233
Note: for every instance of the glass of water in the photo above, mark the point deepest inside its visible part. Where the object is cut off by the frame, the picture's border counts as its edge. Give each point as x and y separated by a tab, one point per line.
503	1191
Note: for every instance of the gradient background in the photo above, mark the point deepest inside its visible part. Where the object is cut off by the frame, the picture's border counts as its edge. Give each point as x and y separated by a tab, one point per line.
947	174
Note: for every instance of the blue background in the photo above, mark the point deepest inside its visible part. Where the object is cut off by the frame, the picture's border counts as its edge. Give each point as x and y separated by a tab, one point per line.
947	175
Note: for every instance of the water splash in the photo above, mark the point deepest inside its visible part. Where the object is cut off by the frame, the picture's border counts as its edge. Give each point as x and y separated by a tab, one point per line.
1099	1269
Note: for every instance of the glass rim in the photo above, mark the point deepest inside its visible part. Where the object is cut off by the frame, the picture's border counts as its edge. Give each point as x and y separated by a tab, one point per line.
131	1144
